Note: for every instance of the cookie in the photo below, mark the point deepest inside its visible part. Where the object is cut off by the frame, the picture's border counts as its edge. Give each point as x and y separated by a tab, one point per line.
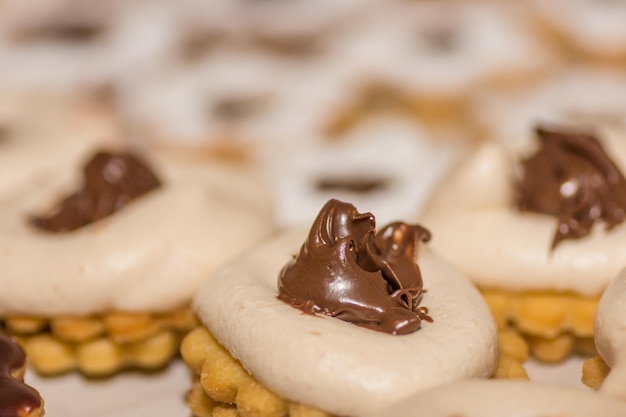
338	357
114	257
540	264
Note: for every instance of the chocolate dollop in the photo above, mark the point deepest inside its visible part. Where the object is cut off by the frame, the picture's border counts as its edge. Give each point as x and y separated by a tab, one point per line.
571	177
348	271
111	181
16	398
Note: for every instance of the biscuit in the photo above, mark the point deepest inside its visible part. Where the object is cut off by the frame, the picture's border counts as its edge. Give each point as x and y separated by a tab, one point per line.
336	365
101	345
221	383
108	306
540	276
595	372
551	325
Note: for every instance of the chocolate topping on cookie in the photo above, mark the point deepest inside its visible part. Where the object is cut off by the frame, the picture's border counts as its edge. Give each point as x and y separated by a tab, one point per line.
16	398
112	180
571	177
347	270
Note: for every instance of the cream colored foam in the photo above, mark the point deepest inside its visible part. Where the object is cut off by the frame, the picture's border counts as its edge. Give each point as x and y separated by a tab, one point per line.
476	226
334	365
504	399
610	335
151	255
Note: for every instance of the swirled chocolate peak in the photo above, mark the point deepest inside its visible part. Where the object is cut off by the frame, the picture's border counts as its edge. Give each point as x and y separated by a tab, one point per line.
111	181
16	398
347	270
571	177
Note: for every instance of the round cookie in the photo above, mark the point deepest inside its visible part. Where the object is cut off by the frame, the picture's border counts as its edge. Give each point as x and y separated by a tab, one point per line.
343	368
506	217
100	280
503	399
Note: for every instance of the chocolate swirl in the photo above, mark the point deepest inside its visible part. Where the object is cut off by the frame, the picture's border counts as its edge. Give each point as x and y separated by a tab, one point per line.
347	270
16	398
571	177
112	180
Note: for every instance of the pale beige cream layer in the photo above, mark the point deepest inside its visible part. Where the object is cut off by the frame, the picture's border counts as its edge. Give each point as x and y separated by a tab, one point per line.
336	366
476	226
149	256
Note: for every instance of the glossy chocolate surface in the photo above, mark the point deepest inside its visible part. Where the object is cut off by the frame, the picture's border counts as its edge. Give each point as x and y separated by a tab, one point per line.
572	178
347	270
111	181
16	398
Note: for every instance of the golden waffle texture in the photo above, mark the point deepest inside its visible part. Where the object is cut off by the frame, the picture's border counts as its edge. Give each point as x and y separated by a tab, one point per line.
595	372
222	387
101	345
547	325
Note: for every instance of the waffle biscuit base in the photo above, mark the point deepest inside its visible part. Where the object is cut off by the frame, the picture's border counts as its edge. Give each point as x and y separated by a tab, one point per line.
549	325
222	387
595	371
101	345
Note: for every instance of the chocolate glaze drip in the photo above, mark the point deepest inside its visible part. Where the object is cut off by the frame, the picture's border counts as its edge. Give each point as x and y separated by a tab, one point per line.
112	180
347	270
571	177
16	398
